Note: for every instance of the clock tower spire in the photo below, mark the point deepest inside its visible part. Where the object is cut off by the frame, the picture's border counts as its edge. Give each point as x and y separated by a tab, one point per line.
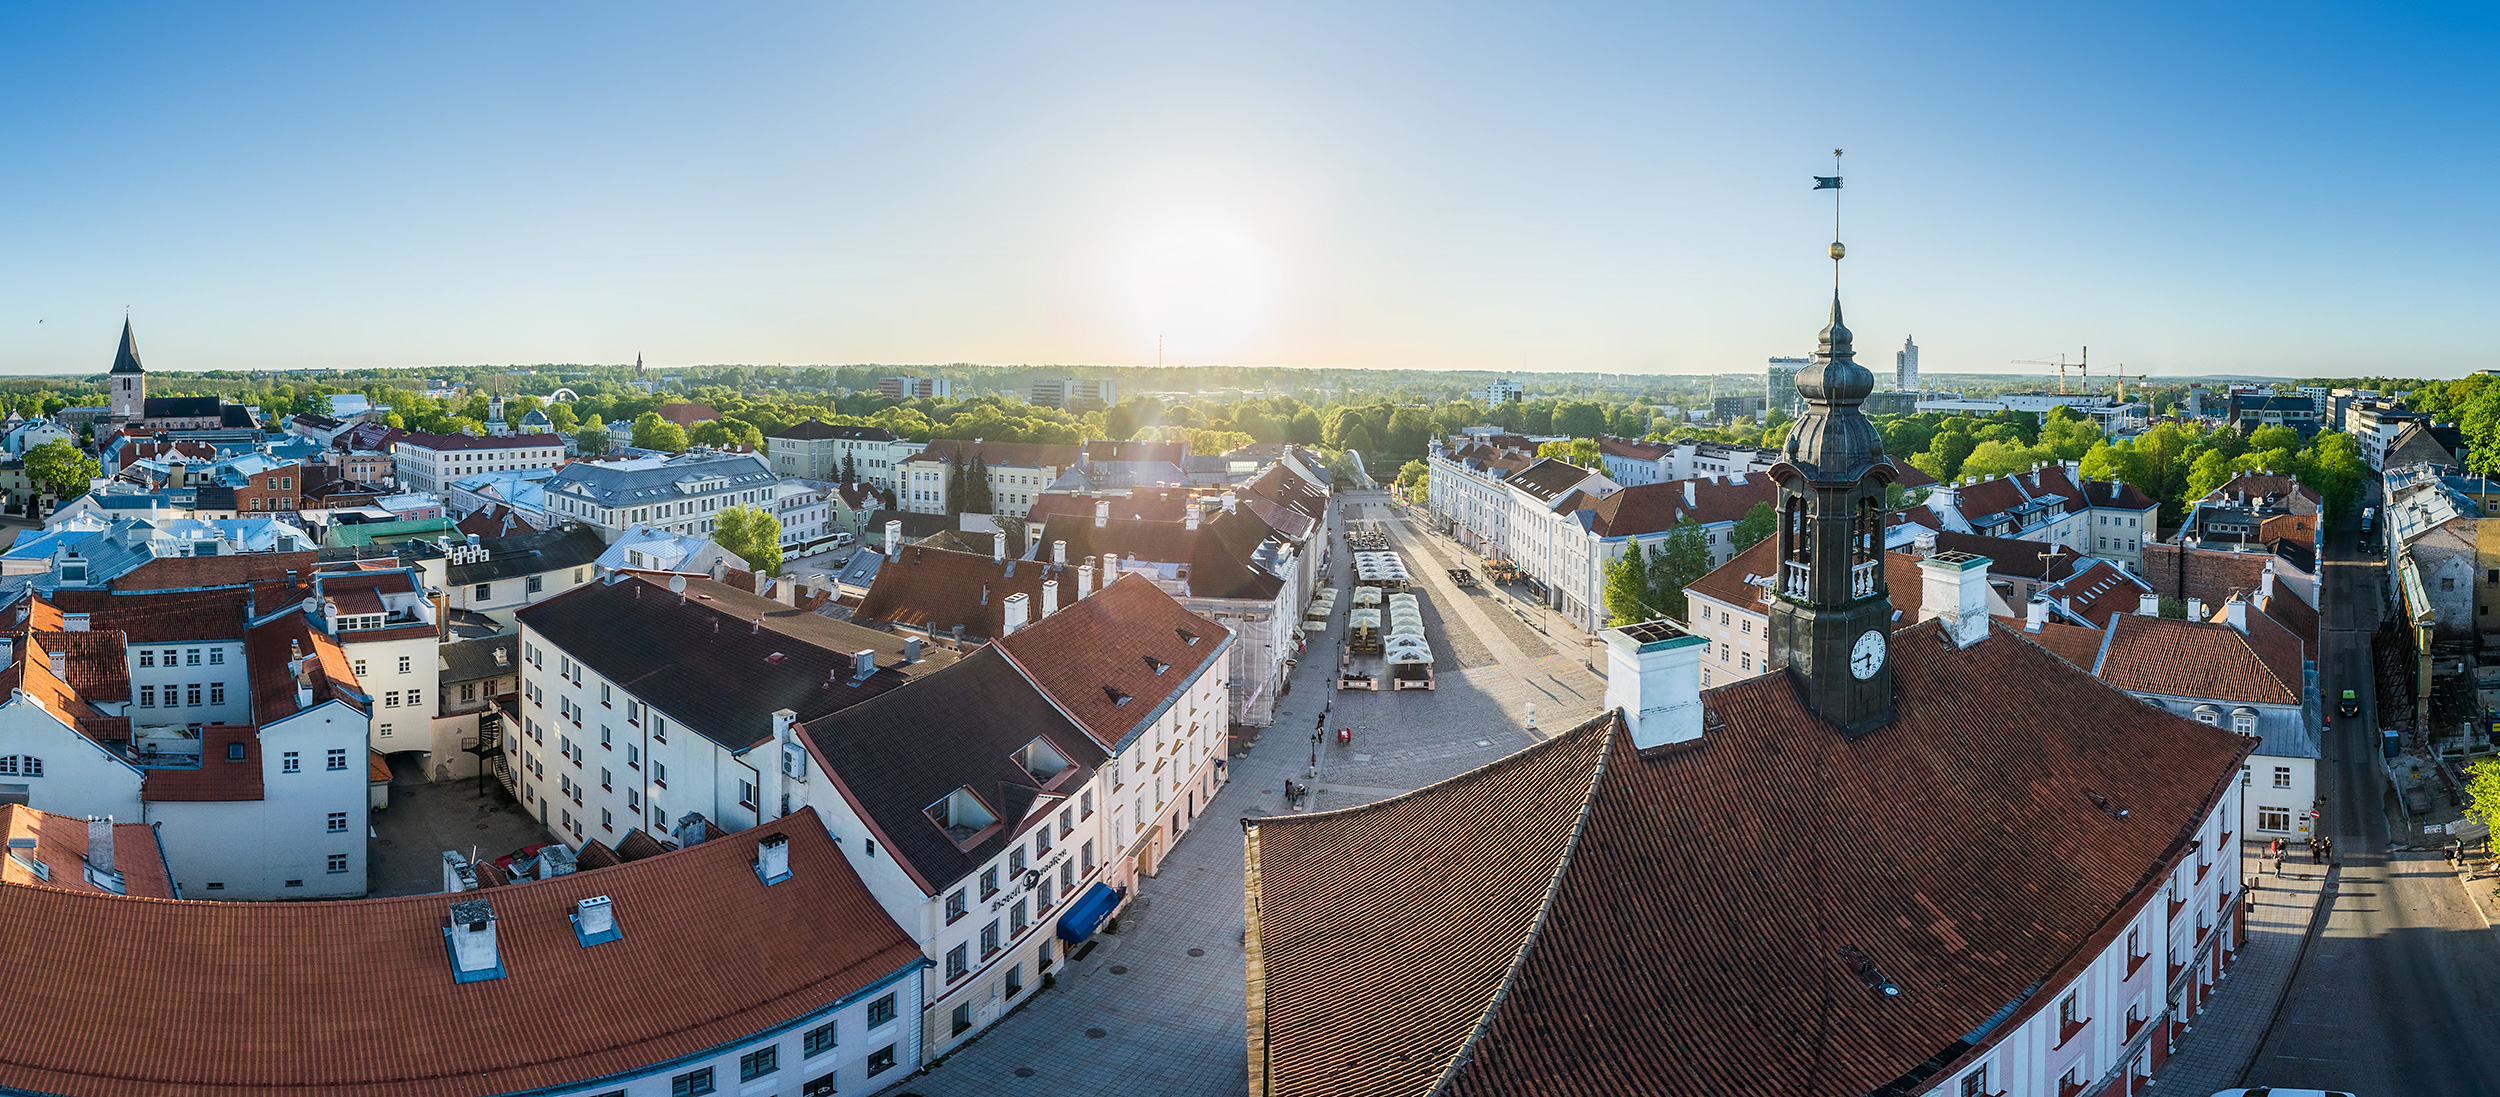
1831	617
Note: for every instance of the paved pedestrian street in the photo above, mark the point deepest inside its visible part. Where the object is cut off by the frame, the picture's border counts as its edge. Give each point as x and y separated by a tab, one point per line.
1159	1008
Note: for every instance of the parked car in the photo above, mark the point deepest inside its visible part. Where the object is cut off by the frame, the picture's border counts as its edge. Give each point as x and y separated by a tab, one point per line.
2349	704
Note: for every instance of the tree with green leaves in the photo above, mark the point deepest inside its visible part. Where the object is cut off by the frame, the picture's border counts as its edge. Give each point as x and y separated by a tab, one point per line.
1580	419
560	416
955	483
850	468
1356	436
1677	564
977	486
1758	523
61	467
1413	477
592	438
751	532
1627	588
653	432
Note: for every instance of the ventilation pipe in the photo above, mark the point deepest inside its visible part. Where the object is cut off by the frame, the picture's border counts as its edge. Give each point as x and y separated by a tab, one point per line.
2196	609
1059	555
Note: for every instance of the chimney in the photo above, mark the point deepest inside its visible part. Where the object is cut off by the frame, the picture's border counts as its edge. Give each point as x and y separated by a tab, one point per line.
594	921
458	874
2265	582
60	664
720	569
911	650
1231	501
100	844
998	547
763	585
894	539
73	622
1015	607
2196	609
1059	553
772	859
1050	597
1189	516
1653	676
2148	606
1924	545
1110	569
1691	496
2035	615
863	662
471	939
1102	513
1084	582
1954	586
2235	611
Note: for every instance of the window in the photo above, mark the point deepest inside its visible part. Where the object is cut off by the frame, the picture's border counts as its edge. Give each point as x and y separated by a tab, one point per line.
21	765
338	862
1041	842
758	1063
989	881
338	760
1086	805
359	668
2282	776
483	592
2276	819
290	763
1015	980
606	821
191	657
818	1041
955	906
1088	855
193	690
1067	876
633	754
881	1011
606	780
536	583
2244	721
234	752
147	696
216	693
1015	861
1975	1083
216	657
958	962
2068	1016
989	939
746	793
147	656
1017	919
659	774
693	1083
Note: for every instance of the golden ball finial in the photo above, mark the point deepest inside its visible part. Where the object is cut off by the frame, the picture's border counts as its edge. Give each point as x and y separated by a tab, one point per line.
1838	251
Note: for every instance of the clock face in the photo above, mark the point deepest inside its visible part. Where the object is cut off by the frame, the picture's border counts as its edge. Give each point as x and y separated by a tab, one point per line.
1868	656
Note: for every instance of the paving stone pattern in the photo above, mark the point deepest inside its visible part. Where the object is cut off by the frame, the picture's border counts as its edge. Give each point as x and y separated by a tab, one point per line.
2228	1033
1159	1008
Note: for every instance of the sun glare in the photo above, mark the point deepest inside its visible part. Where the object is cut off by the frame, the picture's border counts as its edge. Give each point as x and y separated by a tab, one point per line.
1201	286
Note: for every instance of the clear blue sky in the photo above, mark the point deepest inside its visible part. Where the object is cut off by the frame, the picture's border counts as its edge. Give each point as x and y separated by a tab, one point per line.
2256	188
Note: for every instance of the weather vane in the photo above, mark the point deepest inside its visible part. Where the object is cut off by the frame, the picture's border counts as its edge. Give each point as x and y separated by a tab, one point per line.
1832	183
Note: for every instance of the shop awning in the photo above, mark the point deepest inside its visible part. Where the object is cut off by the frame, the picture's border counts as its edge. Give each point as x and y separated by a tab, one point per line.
1087	912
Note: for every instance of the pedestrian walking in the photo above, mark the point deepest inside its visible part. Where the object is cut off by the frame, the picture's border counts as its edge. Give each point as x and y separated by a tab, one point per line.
2330	847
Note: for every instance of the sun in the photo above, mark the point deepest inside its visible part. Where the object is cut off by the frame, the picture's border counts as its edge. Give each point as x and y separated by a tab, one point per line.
1201	285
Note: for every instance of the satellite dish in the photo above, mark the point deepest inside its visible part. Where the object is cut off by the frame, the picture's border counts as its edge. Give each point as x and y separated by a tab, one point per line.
677	584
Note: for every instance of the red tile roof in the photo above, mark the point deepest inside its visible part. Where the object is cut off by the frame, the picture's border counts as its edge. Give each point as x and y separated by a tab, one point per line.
420	440
1084	653
161	616
934	590
2011	556
2074	643
217	778
2195	659
2294	496
61	846
1222	554
1655	508
1541	965
2099	591
285	640
1028	454
1158	505
1625	447
1726	583
1168	452
356	999
688	414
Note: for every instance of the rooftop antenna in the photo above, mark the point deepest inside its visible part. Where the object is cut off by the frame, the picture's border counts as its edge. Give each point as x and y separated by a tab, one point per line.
1832	183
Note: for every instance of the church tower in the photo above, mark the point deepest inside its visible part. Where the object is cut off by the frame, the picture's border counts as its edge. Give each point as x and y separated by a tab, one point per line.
127	383
1831	622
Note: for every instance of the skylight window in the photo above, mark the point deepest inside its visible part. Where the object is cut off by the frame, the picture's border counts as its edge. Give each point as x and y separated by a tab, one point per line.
1187	637
961	815
1117	698
1157	665
1042	760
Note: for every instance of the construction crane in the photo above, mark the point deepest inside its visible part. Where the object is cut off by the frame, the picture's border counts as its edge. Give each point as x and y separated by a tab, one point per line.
2062	365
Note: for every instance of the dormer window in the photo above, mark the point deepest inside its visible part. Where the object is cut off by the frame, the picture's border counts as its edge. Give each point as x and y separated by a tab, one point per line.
1187	637
1042	760
1157	665
962	815
1117	697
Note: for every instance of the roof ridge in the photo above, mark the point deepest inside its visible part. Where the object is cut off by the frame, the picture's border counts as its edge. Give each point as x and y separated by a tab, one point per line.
1545	910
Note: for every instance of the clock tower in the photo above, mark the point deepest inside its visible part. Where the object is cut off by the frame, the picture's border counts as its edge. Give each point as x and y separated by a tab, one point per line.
1831	614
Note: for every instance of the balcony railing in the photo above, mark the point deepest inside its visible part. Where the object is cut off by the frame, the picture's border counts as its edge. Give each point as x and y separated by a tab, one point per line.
1862	578
1794	579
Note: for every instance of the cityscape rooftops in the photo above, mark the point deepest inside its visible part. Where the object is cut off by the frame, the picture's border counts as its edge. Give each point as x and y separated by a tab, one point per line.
48	850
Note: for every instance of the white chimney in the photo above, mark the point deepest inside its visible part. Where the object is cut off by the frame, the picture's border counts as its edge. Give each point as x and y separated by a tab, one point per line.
998	548
911	649
863	662
2036	615
471	938
2265	582
720	569
594	921
73	622
1653	676
1691	496
100	844
772	859
1231	501
1015	608
1084	582
1924	543
2196	609
2148	606
1102	513
60	664
1059	555
1050	597
1189	516
1954	586
2235	611
894	540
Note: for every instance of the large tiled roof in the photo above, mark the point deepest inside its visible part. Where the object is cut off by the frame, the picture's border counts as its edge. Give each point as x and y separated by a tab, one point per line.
934	590
1655	508
1548	479
274	645
2098	591
1727	582
817	430
480	659
1625	447
531	553
2194	659
162	616
60	843
1091	655
1600	988
1167	452
422	440
895	755
2288	492
1280	485
647	480
356	999
1228	556
2076	644
218	777
1164	505
1027	454
707	659
2039	560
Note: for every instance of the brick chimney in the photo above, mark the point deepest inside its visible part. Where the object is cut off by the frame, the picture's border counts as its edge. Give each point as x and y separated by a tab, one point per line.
1653	676
1954	586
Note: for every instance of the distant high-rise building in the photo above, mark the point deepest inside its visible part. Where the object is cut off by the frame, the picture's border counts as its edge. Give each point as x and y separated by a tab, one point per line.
1905	366
1074	394
1502	390
915	388
1779	384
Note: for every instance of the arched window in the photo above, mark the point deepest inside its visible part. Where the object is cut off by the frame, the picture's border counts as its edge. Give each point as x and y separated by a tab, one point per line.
20	765
2209	714
2244	720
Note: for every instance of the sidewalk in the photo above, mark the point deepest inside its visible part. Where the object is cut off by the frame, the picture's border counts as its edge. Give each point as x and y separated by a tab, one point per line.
2234	1024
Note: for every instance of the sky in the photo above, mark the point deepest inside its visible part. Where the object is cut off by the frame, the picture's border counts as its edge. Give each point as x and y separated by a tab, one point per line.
2280	189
